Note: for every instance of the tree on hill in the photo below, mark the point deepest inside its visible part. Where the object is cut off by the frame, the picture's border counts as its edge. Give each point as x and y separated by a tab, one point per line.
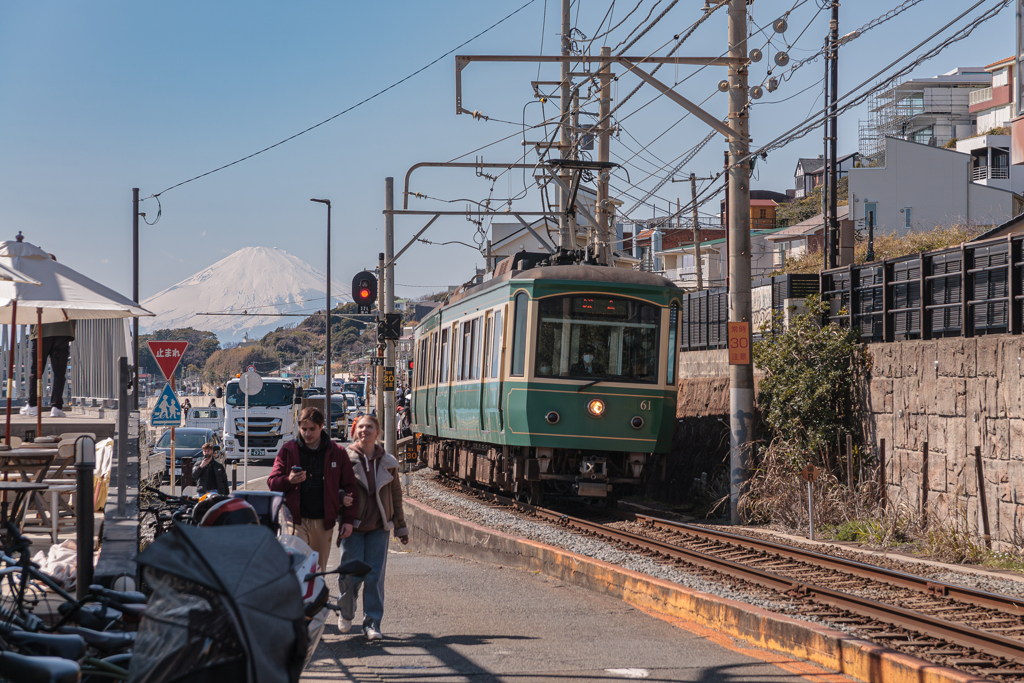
226	363
201	345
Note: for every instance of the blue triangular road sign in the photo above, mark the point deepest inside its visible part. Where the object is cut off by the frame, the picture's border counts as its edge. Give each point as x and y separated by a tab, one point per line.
167	411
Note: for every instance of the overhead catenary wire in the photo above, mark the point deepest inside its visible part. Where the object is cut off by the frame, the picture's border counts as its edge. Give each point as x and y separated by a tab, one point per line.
354	106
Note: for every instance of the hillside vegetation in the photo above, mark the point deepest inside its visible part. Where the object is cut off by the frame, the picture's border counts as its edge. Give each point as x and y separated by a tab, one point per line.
892	246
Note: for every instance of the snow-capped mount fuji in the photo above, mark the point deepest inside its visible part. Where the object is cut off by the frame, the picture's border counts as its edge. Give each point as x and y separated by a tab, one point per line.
261	280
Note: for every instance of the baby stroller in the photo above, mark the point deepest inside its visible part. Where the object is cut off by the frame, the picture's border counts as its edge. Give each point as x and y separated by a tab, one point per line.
226	608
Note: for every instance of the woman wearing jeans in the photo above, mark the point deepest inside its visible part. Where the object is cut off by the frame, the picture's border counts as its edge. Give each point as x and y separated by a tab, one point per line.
378	508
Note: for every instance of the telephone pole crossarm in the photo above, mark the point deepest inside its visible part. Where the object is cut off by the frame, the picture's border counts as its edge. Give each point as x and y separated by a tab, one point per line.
686	104
462	61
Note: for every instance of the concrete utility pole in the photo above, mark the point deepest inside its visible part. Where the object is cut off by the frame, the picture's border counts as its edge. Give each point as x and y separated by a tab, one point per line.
379	372
696	234
604	209
135	295
833	182
741	377
389	307
566	223
826	249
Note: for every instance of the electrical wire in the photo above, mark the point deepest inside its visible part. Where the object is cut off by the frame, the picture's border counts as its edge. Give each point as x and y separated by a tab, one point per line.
354	106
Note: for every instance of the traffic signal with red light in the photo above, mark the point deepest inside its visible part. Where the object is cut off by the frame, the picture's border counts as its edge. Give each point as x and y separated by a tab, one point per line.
364	290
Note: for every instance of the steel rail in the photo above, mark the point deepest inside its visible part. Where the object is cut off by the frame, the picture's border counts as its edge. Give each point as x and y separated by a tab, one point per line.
957	634
1003	603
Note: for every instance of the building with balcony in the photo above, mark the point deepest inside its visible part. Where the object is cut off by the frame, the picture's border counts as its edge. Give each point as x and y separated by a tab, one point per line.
992	106
921	187
990	162
681	262
930	111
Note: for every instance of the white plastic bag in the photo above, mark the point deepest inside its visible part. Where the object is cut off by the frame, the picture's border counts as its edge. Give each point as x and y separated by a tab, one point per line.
60	562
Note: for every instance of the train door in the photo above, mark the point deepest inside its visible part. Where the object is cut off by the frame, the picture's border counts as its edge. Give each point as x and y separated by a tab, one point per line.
453	369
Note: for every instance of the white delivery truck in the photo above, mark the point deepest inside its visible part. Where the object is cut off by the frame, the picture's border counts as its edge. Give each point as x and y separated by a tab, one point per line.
272	419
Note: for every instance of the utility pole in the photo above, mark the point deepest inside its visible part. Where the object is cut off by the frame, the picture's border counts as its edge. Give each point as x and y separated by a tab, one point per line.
826	248
604	210
135	295
696	234
725	218
833	181
741	376
566	223
389	307
379	373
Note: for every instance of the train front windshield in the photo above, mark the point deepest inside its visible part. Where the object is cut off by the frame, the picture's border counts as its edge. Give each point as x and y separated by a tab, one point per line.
597	337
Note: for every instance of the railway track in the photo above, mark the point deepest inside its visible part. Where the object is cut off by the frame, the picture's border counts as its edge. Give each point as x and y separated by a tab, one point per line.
967	629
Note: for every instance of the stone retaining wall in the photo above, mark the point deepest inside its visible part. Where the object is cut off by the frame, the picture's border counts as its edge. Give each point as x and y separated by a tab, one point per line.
953	395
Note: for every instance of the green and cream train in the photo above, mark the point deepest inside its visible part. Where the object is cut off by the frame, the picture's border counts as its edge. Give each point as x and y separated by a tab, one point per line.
553	380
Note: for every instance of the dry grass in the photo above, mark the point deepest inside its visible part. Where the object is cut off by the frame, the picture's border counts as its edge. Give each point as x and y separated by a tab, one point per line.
891	246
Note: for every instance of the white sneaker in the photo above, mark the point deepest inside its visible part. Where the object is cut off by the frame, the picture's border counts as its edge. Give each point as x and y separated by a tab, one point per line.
31	411
371	632
57	412
344	625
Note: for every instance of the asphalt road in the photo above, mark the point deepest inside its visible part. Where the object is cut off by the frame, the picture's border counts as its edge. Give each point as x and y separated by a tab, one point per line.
449	620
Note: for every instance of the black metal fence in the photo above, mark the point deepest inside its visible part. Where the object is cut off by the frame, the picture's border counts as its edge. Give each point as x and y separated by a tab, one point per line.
970	290
704	315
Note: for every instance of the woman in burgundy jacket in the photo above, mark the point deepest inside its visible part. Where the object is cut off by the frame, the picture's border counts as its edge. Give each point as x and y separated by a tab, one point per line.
315	474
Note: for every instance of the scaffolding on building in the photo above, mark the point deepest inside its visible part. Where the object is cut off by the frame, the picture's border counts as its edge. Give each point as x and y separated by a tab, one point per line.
927	111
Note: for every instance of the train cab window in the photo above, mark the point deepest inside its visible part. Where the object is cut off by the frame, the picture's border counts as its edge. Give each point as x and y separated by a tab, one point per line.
673	350
592	337
519	336
496	345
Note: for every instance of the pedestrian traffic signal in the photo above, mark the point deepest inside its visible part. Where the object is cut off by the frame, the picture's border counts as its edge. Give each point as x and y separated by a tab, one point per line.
364	290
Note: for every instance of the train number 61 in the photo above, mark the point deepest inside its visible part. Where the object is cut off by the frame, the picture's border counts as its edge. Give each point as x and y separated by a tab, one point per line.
645	405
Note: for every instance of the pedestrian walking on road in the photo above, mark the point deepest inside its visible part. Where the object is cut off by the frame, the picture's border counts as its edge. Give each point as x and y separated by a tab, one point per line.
378	511
315	474
209	474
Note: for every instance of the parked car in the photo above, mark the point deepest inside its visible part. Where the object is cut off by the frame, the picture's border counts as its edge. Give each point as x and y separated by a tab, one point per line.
188	443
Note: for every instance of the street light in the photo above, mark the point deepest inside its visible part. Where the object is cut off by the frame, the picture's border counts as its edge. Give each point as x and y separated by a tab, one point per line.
327	355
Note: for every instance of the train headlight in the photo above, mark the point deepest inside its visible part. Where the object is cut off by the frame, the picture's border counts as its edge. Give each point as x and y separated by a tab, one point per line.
637	422
596	407
552	417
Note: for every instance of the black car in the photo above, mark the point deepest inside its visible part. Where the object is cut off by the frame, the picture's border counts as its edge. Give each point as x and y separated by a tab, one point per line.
343	407
188	443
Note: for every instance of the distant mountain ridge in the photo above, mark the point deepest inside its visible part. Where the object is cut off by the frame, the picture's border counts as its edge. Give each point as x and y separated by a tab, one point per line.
261	280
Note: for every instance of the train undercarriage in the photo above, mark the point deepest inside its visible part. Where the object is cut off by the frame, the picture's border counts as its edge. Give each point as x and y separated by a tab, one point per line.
534	473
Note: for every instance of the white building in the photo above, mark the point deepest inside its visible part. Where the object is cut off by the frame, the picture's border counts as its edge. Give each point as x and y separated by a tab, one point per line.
920	187
990	162
508	238
680	263
993	105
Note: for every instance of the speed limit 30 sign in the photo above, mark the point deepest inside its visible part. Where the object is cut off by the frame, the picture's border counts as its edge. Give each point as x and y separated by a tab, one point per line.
739	343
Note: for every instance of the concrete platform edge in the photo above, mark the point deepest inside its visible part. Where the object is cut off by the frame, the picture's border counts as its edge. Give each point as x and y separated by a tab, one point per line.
434	532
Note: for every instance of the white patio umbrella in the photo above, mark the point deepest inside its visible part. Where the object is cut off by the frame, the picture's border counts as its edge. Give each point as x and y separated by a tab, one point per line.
60	294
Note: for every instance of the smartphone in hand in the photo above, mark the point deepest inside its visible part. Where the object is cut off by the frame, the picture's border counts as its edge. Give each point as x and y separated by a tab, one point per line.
296	468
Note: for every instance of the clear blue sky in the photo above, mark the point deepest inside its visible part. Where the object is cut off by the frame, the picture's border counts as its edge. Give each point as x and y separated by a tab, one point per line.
99	97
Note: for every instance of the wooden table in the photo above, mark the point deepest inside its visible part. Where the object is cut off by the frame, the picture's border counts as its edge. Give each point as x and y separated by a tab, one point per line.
20	488
30	465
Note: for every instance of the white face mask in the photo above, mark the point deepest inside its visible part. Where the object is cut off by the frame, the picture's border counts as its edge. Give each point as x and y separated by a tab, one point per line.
588	358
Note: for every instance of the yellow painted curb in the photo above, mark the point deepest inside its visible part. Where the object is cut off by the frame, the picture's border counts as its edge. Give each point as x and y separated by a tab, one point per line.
438	533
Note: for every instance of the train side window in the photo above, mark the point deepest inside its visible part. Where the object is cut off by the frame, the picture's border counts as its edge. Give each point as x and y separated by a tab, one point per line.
455	351
673	351
519	336
477	339
485	356
444	356
465	351
496	345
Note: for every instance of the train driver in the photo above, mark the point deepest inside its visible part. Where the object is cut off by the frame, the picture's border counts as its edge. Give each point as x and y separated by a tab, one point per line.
587	364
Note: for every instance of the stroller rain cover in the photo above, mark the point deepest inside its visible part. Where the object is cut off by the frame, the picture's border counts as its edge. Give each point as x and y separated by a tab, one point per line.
226	604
